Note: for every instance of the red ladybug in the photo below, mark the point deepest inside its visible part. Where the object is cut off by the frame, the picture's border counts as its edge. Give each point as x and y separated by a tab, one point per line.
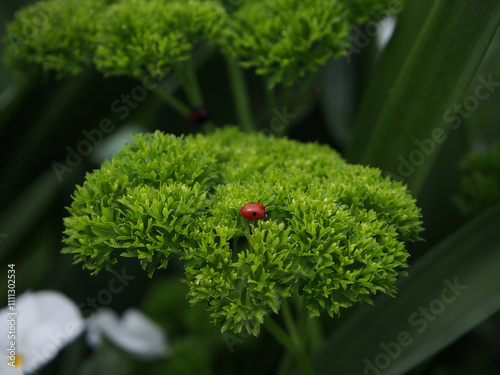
314	94
199	115
253	211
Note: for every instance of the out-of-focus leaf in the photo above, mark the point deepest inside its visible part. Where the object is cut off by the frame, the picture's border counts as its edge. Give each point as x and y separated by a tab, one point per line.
17	221
423	74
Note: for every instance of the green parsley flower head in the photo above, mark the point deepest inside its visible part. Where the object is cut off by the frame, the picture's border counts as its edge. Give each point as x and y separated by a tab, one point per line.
334	233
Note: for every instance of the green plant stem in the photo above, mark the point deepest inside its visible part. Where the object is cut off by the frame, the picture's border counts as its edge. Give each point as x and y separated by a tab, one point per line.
195	87
309	328
300	355
285	366
290	324
279	334
286	96
188	86
314	332
173	102
305	89
240	95
271	98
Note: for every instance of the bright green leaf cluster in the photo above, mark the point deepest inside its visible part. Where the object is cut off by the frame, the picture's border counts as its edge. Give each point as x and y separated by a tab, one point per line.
137	36
54	34
282	39
480	183
286	39
334	232
293	38
128	37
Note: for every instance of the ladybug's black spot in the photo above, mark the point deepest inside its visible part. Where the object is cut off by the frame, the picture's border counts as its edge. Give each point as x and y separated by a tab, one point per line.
254	213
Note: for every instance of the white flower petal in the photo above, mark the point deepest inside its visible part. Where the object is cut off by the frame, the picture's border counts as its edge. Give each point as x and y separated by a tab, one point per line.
148	335
46	322
98	323
385	31
134	333
11	370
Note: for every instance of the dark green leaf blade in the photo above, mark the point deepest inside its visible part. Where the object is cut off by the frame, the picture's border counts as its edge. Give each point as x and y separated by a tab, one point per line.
424	72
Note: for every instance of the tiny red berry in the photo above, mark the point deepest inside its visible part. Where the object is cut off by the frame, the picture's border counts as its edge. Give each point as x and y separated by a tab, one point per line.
253	211
314	94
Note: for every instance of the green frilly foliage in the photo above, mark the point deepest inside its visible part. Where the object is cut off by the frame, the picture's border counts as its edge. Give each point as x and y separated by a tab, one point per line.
480	181
334	234
281	39
55	35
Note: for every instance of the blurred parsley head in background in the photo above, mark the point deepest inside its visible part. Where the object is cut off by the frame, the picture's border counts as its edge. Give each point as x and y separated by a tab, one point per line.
282	40
480	180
